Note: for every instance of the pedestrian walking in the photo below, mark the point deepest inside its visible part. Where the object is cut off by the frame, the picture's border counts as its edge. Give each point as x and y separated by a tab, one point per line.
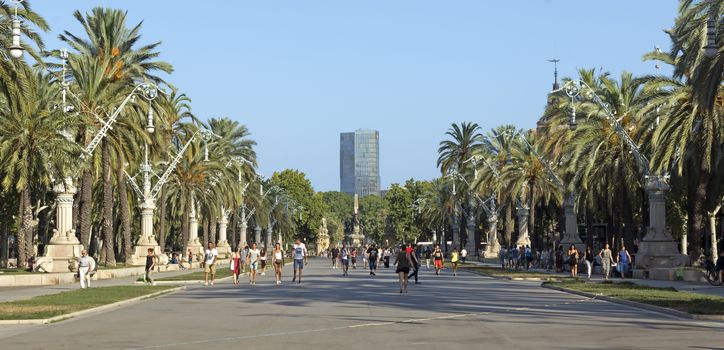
300	257
559	259
344	259
210	256
463	254
438	259
253	260
86	264
243	254
403	264
262	260
513	257
278	262
589	259
606	261
501	256
373	254
623	261
335	257
364	257
190	258
234	265
428	256
386	258
454	257
150	264
353	255
415	265
573	260
528	257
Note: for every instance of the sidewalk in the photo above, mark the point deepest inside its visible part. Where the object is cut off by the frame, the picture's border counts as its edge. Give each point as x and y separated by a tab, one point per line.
682	286
20	293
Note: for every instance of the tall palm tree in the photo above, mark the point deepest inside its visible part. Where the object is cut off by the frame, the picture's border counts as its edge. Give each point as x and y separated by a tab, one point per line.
32	149
464	141
691	102
105	66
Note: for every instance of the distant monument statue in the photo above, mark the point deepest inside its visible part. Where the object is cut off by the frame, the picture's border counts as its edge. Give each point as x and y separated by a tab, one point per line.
356	237
322	237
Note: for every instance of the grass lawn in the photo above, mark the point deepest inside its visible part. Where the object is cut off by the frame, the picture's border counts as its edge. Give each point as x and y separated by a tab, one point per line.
666	297
221	272
47	306
498	272
15	272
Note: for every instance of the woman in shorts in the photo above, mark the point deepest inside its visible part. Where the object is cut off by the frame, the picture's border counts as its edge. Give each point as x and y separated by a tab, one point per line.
403	263
262	261
437	256
278	262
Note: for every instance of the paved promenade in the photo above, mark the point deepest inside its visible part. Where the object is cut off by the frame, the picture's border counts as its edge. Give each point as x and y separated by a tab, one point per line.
328	311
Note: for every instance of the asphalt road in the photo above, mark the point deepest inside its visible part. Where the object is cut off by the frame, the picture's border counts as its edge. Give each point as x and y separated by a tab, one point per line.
328	311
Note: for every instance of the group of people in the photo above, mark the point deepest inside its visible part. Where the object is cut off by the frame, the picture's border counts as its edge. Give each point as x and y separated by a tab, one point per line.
256	260
572	259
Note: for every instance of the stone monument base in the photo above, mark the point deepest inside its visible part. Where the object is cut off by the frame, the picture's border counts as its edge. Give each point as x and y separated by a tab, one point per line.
224	250
657	251
59	258
491	251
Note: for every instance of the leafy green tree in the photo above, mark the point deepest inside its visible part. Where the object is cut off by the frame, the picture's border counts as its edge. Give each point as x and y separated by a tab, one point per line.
373	216
401	213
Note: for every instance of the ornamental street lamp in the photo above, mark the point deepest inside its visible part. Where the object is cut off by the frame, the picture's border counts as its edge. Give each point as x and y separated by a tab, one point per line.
16	50
657	248
711	48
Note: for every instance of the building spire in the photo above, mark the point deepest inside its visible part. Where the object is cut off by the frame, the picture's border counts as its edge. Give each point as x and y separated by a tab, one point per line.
555	73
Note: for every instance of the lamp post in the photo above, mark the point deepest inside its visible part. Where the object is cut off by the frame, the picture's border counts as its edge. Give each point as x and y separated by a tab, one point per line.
148	195
657	249
15	49
711	48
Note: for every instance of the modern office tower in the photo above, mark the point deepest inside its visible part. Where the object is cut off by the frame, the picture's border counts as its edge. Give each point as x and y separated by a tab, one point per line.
359	162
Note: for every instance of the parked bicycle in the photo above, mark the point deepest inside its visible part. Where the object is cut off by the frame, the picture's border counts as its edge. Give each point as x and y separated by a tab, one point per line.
711	272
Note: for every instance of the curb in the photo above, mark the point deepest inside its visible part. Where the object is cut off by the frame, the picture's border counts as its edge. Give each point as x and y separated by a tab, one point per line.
90	311
649	307
185	282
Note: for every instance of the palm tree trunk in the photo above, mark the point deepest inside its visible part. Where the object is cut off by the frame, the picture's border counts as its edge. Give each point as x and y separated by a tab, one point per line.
509	224
162	220
23	213
234	241
108	246
86	207
697	225
125	214
205	227
212	229
531	219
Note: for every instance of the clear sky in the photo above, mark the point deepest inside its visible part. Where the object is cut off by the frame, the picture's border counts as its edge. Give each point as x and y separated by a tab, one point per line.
299	72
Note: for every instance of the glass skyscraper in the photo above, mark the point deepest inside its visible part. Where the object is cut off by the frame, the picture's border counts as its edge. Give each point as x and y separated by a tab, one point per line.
359	162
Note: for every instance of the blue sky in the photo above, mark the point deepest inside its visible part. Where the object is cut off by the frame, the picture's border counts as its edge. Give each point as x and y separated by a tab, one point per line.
299	72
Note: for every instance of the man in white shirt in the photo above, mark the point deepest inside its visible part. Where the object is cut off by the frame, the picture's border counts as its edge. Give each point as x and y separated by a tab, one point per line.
210	263
86	265
299	251
463	255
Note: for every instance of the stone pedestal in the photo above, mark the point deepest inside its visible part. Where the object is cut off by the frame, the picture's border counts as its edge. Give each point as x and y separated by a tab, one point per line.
269	237
146	240
322	237
63	249
243	241
658	249
356	238
470	245
257	235
570	236
523	237
493	247
223	246
194	244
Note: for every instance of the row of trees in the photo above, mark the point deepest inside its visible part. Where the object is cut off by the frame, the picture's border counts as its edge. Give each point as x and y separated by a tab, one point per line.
54	103
676	121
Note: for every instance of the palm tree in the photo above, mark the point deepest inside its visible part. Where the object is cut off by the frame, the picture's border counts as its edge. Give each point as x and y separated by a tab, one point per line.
105	67
32	149
498	143
465	140
691	132
528	178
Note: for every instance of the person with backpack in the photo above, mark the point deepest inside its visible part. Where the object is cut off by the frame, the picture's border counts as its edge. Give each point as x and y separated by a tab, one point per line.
344	259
